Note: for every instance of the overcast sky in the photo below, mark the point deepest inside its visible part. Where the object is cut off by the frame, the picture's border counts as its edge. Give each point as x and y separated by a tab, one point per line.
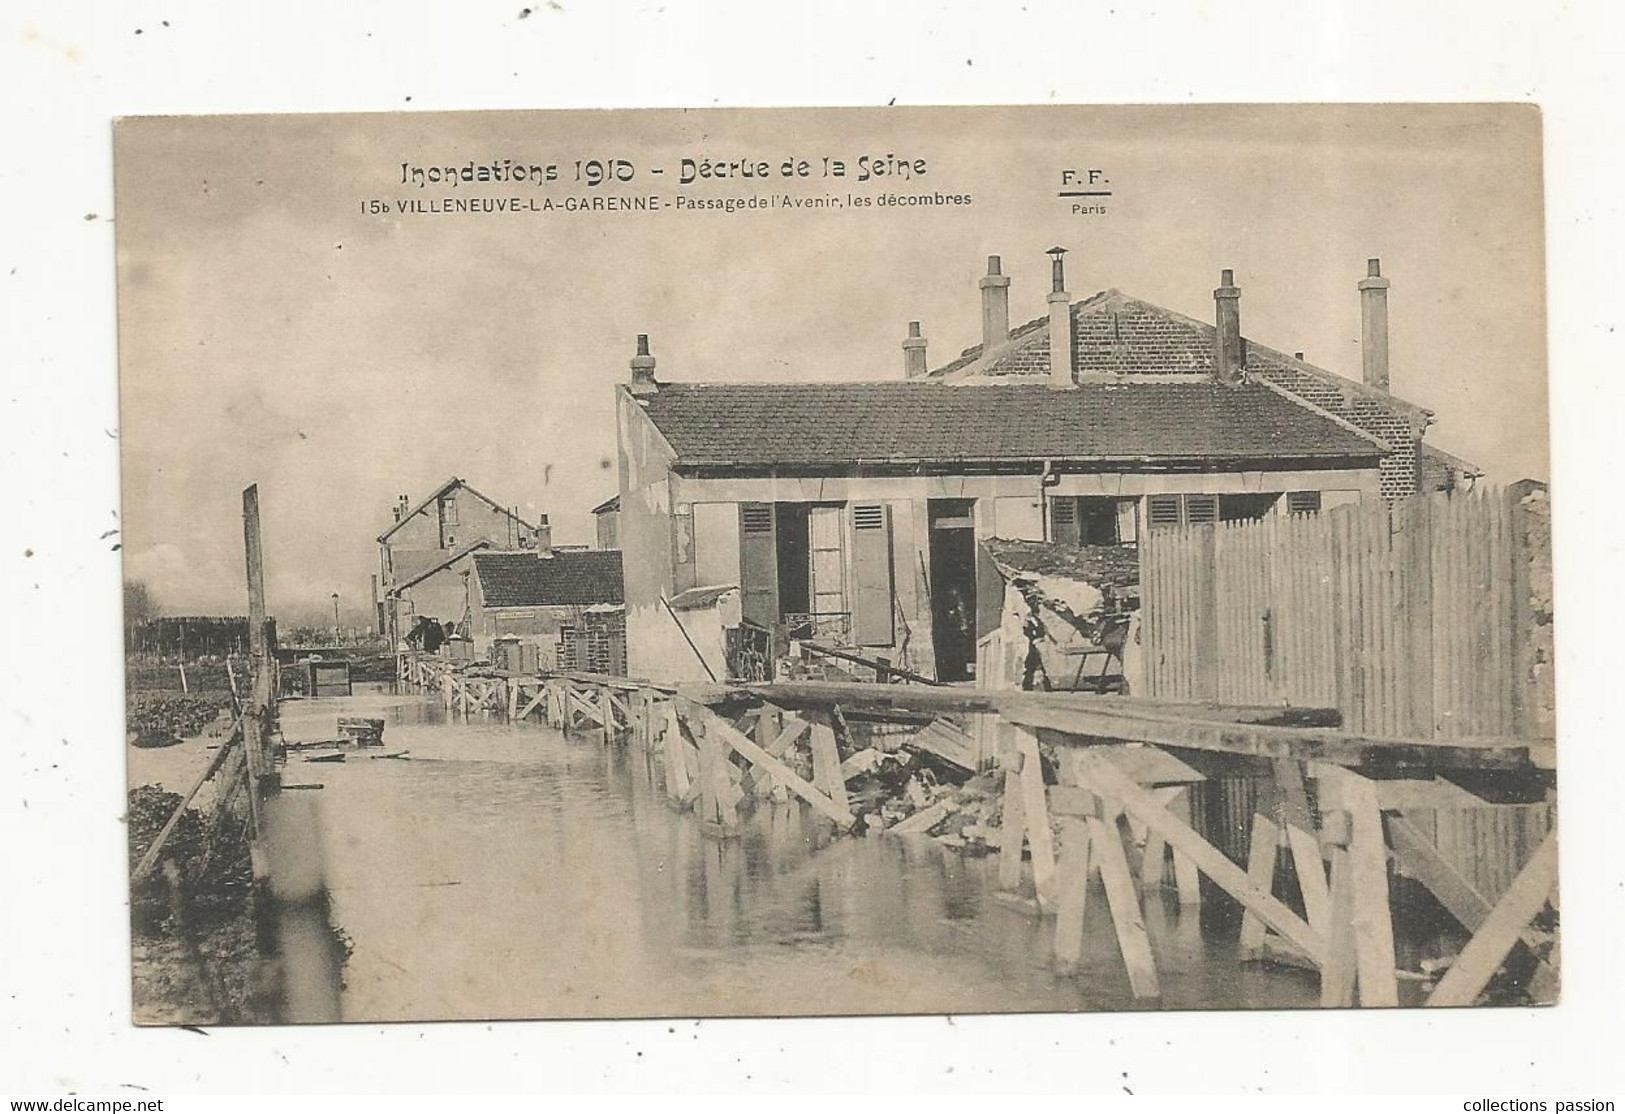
272	332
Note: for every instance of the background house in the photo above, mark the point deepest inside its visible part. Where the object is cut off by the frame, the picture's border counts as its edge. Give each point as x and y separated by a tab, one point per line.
850	512
567	603
423	538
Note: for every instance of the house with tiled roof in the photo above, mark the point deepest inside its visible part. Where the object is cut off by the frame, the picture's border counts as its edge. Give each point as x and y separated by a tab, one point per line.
850	512
423	539
568	603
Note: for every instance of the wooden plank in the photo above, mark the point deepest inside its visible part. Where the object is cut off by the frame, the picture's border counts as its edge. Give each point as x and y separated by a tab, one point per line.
1100	723
755	754
1307	861
827	766
1368	876
1012	825
1261	856
677	782
1091	771
1106	847
150	856
1186	881
946	742
1417	856
1535	884
1035	814
1072	892
1337	965
923	820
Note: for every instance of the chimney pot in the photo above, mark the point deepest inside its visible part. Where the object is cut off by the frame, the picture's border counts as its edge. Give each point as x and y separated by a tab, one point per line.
643	369
1057	270
1227	354
1060	323
995	287
1374	326
914	352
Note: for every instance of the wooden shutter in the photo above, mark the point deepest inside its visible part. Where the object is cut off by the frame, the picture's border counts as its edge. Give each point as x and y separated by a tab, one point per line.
1063	519
758	564
1163	510
872	608
1201	510
1303	502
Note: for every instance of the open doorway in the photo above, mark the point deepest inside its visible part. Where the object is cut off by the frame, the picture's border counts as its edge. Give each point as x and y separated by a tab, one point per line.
953	587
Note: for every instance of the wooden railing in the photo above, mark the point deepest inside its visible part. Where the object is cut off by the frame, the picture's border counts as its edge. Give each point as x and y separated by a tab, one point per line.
1122	790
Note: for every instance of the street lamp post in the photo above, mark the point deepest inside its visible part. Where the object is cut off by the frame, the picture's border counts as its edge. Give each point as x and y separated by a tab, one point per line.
337	637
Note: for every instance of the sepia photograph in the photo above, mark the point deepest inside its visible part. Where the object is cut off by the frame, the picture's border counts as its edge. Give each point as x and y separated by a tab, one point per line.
808	561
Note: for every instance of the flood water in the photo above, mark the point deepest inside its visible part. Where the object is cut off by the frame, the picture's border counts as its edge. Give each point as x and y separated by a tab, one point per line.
510	871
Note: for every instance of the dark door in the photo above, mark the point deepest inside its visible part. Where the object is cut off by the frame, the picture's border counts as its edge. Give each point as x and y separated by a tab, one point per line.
953	587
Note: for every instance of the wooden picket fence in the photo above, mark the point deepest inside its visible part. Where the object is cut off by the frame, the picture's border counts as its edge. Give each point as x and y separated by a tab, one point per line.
1411	620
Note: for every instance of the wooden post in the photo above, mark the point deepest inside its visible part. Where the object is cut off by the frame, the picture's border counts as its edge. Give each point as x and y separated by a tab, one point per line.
1186	878
1035	814
254	712
1261	855
1072	886
1013	822
827	766
606	708
1106	845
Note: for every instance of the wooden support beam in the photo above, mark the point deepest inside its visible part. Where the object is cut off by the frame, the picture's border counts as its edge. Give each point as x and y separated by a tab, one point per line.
606	705
1071	893
923	820
677	781
1261	854
827	766
718	795
1535	885
1337	965
1186	881
825	805
1106	847
1417	856
1012	821
1098	774
1307	860
1368	876
1035	816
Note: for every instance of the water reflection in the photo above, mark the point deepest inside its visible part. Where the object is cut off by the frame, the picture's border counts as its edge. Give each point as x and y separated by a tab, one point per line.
516	872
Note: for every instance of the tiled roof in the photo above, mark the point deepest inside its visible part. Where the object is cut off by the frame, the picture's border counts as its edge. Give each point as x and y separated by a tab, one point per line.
1115	334
567	578
608	506
822	424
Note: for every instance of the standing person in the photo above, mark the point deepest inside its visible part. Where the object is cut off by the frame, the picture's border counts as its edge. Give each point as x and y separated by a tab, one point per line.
432	636
1033	628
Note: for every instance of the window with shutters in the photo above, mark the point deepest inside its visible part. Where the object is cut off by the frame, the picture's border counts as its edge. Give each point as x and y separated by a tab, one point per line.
1201	510
1303	502
1165	510
1182	510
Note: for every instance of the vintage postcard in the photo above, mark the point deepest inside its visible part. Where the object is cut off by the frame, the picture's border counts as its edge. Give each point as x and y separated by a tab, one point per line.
775	562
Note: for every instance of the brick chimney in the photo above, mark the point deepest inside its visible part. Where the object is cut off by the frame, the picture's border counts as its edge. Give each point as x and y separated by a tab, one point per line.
643	369
541	538
995	305
1374	326
913	352
1227	354
1060	322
